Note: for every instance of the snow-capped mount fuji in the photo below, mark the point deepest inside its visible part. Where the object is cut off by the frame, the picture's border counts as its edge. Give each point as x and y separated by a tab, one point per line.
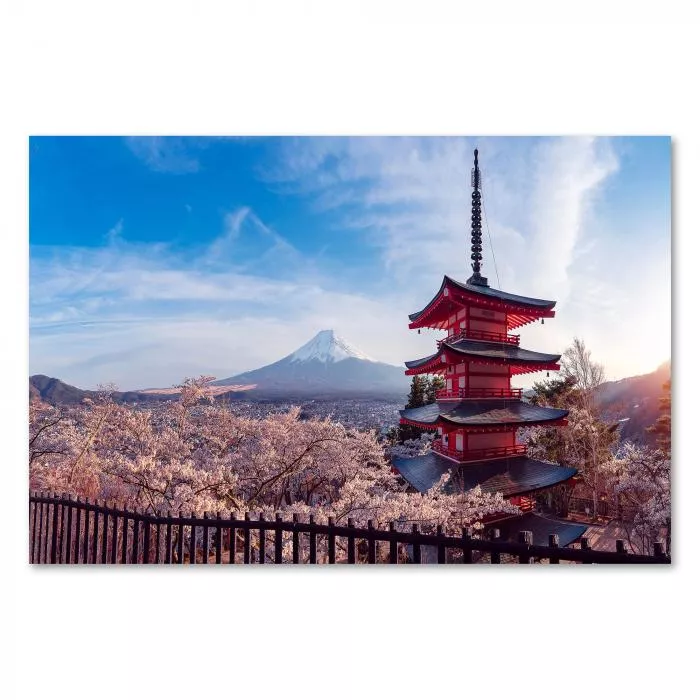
327	366
326	346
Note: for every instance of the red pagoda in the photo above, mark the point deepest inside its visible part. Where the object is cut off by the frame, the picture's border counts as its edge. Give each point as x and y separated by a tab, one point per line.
477	414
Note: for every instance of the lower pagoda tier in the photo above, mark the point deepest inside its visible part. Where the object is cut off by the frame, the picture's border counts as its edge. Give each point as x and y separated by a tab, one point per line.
492	415
540	527
514	476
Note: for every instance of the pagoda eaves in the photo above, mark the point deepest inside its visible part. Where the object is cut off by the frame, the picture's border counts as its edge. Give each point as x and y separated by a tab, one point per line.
451	353
454	296
482	414
510	477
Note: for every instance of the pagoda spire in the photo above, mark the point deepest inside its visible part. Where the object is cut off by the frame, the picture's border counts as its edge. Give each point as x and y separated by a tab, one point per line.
476	277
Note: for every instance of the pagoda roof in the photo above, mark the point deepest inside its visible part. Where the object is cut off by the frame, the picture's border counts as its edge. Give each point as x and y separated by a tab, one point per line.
512	476
540	527
504	353
482	413
487	292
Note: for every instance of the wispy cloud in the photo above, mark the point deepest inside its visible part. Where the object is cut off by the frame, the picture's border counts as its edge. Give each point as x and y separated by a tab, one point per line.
165	154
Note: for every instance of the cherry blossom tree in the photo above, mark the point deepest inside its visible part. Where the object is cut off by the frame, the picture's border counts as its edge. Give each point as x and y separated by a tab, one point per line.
194	455
642	481
586	442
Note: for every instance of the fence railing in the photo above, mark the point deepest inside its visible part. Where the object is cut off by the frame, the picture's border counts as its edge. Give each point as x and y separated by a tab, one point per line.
464	393
481	335
605	508
66	530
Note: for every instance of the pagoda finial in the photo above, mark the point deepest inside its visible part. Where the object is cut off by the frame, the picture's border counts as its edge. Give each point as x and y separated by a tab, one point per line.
476	277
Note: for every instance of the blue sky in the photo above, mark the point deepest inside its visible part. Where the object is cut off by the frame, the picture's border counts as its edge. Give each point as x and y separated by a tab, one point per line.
153	258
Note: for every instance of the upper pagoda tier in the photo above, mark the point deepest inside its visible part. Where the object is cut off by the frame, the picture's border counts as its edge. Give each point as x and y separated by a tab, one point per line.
454	352
454	297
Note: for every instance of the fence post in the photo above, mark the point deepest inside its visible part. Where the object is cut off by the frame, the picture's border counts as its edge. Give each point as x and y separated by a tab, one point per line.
262	532
180	539
61	530
218	538
495	556
32	556
47	526
146	541
54	528
620	547
31	529
169	540
295	538
440	547
331	540
232	534
525	538
69	535
466	548
278	538
351	543
371	544
205	540
125	534
105	528
246	539
658	549
37	544
232	537
312	541
157	557
115	530
134	537
393	546
554	543
416	546
78	520
585	546
95	530
193	540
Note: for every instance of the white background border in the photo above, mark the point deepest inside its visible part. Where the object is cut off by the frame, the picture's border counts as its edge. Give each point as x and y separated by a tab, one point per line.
363	68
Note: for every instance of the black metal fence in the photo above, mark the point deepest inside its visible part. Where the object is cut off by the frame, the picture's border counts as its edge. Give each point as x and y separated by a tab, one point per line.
67	530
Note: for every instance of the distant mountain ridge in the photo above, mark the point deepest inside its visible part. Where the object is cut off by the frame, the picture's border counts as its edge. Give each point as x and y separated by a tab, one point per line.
635	402
54	391
327	366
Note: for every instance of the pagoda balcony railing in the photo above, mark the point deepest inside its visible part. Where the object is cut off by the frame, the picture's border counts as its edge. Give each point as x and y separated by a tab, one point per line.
489	336
475	455
483	393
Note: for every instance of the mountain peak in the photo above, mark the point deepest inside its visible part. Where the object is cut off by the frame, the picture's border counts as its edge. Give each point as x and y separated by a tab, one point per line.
328	346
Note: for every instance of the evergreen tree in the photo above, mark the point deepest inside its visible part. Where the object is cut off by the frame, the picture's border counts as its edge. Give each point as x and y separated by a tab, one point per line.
435	383
417	394
422	393
553	392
